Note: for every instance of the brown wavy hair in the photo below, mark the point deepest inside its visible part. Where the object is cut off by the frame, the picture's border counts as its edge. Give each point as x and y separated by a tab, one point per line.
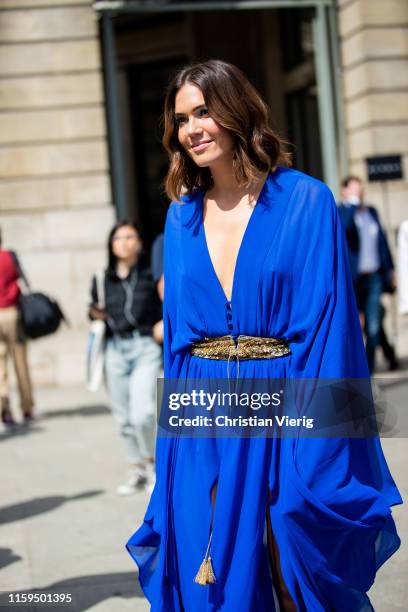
235	104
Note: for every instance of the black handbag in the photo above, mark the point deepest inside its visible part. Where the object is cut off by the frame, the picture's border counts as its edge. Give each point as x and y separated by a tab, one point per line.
40	315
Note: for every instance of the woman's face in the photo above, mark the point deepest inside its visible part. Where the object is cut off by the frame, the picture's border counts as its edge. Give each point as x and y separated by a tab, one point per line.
204	140
126	243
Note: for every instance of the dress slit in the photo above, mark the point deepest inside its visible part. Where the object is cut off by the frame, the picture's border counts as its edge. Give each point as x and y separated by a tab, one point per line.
213	495
286	603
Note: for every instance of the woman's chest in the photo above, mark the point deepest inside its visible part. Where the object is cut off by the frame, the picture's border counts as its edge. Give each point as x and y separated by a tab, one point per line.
224	232
244	265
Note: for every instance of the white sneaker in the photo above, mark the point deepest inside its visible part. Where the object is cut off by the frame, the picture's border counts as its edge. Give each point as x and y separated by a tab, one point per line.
137	478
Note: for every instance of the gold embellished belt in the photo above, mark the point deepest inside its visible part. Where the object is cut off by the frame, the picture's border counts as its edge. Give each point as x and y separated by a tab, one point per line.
244	347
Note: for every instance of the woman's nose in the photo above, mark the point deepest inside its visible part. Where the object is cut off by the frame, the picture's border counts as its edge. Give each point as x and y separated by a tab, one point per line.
193	126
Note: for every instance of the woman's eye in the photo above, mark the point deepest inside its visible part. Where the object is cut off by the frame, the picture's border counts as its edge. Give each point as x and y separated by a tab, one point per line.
202	112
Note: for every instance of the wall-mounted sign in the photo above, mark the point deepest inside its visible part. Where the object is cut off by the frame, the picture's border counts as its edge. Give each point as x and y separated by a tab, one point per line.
384	168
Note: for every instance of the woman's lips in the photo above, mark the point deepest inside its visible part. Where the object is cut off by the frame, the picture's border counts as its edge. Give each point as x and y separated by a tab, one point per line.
202	145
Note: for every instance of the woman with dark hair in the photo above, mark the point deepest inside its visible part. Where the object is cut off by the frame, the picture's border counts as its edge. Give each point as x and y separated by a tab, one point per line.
256	286
132	357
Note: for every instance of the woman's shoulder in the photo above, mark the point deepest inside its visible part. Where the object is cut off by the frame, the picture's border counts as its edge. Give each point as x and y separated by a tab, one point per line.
303	181
180	211
308	193
187	198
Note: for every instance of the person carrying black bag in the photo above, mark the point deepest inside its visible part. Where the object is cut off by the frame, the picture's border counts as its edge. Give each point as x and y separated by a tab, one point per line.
12	340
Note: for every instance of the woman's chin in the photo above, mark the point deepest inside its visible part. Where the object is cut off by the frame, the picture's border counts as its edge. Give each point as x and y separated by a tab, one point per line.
205	162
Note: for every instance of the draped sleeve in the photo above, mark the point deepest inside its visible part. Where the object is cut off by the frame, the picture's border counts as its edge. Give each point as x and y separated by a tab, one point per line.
341	490
324	319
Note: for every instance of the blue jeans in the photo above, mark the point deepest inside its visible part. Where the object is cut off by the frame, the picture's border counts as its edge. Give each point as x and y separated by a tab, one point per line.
132	366
369	289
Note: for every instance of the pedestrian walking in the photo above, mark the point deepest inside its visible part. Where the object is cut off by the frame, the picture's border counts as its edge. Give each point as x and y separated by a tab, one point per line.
12	340
371	266
132	357
255	266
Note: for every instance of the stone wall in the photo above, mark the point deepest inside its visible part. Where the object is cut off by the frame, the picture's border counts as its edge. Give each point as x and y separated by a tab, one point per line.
374	44
55	200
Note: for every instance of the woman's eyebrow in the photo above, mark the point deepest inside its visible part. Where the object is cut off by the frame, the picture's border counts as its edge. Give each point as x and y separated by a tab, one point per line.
194	109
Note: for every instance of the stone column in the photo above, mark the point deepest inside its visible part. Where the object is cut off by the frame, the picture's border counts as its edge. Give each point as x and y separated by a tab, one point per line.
374	45
55	199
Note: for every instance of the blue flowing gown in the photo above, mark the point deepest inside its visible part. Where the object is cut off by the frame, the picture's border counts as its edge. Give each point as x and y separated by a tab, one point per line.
330	498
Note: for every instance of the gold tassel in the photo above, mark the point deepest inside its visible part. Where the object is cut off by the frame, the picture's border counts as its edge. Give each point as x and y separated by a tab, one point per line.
205	574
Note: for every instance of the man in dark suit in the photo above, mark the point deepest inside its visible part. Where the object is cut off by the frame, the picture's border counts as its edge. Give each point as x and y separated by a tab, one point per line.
371	265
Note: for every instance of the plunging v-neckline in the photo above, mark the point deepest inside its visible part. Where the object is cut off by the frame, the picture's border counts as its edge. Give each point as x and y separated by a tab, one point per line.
240	248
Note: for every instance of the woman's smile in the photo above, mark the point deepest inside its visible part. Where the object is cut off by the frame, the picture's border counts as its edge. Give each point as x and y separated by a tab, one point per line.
200	146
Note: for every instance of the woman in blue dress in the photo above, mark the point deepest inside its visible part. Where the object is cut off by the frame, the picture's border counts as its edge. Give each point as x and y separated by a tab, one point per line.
256	249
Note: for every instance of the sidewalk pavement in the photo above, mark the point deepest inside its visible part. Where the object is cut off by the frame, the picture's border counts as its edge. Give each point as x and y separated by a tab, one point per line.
63	527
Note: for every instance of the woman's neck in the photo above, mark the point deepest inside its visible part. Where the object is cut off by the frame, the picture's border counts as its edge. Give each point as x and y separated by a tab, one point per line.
124	266
224	181
226	189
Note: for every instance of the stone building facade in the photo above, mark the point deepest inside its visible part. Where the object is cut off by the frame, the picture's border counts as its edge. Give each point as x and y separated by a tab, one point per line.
374	48
55	200
56	203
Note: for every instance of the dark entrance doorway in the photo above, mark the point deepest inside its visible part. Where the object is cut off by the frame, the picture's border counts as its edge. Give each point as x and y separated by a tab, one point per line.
274	47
